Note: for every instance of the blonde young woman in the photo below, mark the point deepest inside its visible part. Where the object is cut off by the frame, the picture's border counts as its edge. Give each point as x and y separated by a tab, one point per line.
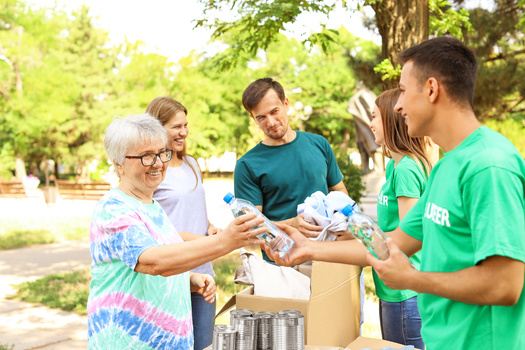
406	178
181	194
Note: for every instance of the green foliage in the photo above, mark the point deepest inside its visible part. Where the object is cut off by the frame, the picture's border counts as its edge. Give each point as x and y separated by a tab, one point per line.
56	71
258	25
66	291
21	238
445	20
224	269
513	129
370	288
500	49
351	176
387	70
41	230
324	39
6	347
521	22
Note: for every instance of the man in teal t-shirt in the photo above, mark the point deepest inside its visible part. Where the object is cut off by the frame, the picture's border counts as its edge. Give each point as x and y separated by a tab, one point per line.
287	166
469	222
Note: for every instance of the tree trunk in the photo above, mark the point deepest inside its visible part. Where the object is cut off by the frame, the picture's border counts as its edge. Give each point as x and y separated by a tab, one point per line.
401	24
20	168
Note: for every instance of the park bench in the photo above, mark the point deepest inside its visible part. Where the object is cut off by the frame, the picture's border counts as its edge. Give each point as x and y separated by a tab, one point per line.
12	189
71	189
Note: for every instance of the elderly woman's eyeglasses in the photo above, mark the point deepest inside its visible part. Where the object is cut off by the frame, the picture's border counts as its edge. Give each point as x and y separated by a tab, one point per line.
150	158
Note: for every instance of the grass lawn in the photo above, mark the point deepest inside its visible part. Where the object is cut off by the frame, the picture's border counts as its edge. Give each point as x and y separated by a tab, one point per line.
18	233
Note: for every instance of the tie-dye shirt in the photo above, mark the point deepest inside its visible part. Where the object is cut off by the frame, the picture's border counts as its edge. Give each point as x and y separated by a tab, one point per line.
128	309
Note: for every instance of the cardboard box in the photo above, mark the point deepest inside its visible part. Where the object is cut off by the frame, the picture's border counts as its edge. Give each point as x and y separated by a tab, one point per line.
331	314
371	343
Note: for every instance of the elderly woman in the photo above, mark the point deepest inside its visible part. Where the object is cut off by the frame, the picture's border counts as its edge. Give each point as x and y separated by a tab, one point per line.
140	289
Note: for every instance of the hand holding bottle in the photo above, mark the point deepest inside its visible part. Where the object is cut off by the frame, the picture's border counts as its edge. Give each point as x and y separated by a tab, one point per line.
241	233
297	254
397	271
274	237
367	231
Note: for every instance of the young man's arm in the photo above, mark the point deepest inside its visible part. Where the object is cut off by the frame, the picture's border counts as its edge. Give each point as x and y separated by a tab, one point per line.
497	280
344	252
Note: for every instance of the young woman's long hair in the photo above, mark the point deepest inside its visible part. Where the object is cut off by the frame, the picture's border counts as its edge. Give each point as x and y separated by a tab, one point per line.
395	132
164	108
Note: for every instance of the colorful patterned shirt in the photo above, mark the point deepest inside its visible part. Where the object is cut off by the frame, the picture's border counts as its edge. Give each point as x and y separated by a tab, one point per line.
128	309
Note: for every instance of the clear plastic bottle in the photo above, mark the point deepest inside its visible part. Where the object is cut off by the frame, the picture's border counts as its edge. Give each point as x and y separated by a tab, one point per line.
276	239
366	231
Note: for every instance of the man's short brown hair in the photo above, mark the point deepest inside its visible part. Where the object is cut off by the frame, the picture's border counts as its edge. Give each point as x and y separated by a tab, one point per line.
255	92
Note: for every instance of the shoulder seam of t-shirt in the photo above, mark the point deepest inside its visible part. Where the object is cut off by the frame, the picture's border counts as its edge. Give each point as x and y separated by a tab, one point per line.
410	169
519	175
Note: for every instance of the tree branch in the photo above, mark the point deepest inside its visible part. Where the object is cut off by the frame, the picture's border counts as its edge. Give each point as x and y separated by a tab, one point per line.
503	56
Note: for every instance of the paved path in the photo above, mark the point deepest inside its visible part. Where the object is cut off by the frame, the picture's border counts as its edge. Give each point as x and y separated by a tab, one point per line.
31	326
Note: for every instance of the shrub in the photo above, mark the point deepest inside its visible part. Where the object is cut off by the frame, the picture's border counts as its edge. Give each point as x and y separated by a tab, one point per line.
351	176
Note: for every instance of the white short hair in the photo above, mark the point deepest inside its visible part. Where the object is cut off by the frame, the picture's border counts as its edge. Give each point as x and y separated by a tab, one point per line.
124	134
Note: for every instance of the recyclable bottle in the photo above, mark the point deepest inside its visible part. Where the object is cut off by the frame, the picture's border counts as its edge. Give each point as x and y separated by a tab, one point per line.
366	231
276	239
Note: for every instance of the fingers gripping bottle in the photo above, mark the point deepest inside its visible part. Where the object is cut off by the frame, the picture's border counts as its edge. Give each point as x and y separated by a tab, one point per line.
366	231
276	239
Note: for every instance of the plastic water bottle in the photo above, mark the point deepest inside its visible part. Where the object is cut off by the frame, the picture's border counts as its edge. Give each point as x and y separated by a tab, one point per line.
366	231
276	239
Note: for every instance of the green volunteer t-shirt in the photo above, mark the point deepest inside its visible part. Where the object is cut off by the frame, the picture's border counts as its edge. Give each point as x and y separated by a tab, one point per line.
404	180
473	208
281	177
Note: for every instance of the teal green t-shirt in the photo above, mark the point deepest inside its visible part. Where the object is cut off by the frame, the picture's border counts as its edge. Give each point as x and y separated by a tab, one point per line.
473	208
404	180
281	177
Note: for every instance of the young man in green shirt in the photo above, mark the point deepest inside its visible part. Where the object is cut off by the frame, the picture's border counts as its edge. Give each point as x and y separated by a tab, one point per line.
469	223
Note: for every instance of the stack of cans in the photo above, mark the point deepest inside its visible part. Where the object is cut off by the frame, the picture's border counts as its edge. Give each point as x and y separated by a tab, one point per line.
264	336
224	337
263	330
288	331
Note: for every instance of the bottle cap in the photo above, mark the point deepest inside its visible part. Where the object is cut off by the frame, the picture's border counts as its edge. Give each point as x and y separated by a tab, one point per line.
228	198
347	210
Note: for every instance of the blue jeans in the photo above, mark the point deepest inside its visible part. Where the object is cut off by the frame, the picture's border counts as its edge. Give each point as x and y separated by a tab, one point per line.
203	322
401	323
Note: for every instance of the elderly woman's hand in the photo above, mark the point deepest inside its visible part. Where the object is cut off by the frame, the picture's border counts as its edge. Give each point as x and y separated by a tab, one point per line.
241	233
203	284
